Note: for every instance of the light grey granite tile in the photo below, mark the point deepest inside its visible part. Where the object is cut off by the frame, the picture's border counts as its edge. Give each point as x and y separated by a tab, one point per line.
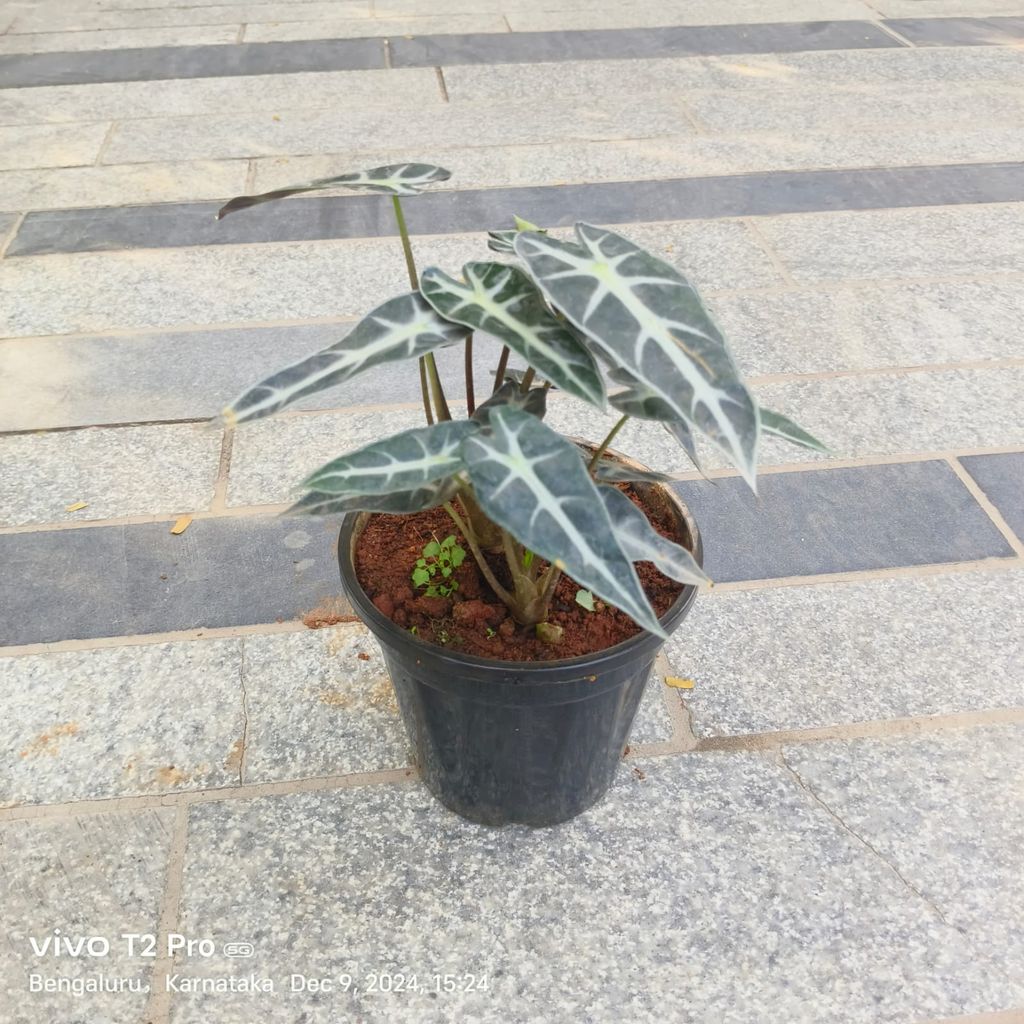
95	875
117	39
68	187
919	104
319	703
806	657
900	243
365	89
947	812
423	24
713	888
892	414
703	12
870	327
81	18
652	723
120	471
671	156
319	130
94	724
44	145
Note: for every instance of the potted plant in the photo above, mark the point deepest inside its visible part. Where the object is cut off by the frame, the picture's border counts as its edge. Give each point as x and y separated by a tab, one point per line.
521	583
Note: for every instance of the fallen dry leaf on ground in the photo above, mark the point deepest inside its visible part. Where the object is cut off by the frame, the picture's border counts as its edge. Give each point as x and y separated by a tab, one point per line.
679	683
181	524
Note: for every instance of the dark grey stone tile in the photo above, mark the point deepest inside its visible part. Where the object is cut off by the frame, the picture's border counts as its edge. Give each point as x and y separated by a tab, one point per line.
166	62
120	580
599	44
191	375
840	520
735	195
1001	477
959	31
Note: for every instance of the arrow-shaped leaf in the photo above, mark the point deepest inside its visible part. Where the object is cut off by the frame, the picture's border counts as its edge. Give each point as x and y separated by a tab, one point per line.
503	301
642	402
611	471
534	401
317	503
642	543
402	462
393	180
502	241
401	328
532	481
777	425
647	319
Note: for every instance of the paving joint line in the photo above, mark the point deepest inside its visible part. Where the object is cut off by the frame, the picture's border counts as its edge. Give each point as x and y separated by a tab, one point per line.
442	85
244	741
158	1005
880	24
104	145
762	240
986	503
817	799
12	232
220	487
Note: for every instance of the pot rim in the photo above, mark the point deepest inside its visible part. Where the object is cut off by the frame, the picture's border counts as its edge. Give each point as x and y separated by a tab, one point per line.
380	624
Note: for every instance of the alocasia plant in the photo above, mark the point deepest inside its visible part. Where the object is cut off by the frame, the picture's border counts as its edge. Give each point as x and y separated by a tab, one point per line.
508	481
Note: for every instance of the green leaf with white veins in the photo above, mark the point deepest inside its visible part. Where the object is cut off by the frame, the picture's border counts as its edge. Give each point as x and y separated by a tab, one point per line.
532	481
393	180
402	328
504	302
642	543
317	503
648	320
402	462
777	425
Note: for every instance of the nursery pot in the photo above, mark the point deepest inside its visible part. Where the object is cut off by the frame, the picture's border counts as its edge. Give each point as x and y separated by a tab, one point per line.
503	742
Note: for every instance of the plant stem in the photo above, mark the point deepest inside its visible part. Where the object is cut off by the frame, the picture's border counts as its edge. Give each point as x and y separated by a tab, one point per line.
403	233
478	555
428	368
499	374
470	398
425	393
527	379
604	444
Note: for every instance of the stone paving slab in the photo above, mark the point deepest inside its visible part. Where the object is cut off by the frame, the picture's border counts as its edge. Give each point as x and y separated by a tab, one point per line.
162	63
959	31
100	874
688	12
665	157
117	39
381	26
636	42
323	130
1001	477
872	326
806	657
412	88
883	107
839	520
50	145
141	579
61	187
97	724
316	707
172	225
900	243
123	472
71	18
947	812
784	914
223	285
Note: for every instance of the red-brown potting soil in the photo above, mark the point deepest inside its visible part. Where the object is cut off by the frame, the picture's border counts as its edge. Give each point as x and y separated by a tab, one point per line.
473	620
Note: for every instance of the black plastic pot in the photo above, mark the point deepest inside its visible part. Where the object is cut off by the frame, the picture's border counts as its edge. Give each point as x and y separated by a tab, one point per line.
499	742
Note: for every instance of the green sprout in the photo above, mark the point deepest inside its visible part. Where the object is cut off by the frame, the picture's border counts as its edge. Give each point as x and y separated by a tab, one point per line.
434	569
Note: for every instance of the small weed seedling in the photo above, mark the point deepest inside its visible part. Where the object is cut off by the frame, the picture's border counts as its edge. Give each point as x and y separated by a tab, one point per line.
434	569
